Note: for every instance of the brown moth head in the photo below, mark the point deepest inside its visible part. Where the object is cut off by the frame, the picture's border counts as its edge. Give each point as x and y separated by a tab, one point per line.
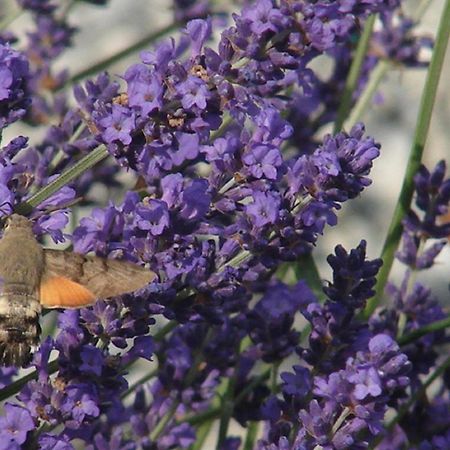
17	222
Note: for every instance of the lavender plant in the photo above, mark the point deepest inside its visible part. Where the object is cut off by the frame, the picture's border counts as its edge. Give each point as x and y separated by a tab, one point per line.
235	181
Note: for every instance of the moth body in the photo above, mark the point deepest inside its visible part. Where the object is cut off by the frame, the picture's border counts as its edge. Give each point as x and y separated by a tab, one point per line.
19	328
34	278
21	267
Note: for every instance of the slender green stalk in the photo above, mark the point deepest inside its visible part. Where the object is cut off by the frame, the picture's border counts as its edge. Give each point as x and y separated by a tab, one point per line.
227	404
378	73
139	382
166	329
422	127
422	331
250	437
305	268
274	377
66	177
242	256
340	420
264	376
205	416
105	63
201	435
353	74
159	428
16	386
189	378
226	411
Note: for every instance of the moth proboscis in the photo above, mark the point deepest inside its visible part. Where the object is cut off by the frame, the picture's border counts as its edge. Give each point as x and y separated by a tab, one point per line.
34	278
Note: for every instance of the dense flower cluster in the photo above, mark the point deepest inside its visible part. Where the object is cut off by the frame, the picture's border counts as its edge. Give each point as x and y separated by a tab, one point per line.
235	183
14	75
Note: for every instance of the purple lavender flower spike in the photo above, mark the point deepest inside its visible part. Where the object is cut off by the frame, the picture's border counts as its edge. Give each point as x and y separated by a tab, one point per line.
14	75
353	277
432	198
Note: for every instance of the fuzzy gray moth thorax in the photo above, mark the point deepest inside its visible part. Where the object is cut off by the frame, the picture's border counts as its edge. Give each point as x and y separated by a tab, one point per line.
21	267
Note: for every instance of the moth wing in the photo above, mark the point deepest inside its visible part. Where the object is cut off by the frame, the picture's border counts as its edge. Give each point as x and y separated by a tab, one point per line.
72	280
60	292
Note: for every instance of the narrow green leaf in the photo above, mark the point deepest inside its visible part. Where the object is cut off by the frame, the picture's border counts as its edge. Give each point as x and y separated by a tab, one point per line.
305	269
105	63
375	78
16	386
353	74
426	329
66	177
250	438
421	132
201	435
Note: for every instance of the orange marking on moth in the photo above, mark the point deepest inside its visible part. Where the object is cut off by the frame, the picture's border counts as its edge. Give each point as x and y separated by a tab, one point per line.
60	292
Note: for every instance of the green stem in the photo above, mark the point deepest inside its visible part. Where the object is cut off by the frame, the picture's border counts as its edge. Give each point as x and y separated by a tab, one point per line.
102	65
250	437
205	416
274	377
139	382
166	329
17	385
340	420
255	382
226	411
305	268
227	120
159	428
422	331
422	127
201	435
66	177
378	73
353	74
227	404
242	256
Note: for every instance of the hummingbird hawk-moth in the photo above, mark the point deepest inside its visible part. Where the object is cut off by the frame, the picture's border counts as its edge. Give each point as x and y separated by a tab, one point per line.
35	278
